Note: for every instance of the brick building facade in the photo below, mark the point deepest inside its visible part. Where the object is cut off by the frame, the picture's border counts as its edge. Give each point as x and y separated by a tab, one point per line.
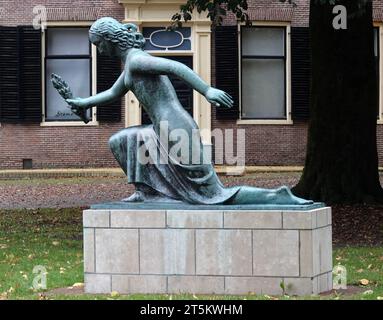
68	145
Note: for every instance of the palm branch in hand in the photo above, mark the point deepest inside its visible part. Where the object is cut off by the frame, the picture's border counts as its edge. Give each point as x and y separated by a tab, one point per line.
63	89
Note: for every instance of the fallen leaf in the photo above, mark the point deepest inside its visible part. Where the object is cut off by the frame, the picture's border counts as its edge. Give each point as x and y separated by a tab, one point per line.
55	243
369	266
114	294
42	296
364	282
360	270
78	284
367	292
379	298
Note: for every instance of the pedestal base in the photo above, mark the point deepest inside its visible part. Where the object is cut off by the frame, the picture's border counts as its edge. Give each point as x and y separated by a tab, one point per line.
208	251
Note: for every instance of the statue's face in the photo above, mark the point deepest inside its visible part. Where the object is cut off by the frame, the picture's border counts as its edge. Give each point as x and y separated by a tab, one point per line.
104	47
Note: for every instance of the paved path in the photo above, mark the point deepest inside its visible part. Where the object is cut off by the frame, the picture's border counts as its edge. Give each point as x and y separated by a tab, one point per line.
81	192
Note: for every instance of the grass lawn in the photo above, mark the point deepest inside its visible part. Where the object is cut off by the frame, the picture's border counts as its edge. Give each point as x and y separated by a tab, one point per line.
52	238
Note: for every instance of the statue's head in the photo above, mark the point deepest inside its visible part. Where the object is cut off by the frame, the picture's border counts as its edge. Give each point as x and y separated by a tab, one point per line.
112	37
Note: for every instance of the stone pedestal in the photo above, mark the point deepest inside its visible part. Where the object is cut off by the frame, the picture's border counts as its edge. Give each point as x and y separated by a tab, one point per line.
208	251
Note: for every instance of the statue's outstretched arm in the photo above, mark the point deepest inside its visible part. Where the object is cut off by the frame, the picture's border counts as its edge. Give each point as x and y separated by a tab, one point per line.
155	65
116	91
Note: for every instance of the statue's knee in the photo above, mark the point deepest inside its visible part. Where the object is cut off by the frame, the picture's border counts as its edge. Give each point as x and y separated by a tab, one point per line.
121	137
116	139
113	141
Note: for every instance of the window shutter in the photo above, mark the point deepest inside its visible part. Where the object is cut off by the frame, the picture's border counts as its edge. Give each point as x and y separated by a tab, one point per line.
9	86
30	73
20	75
108	71
300	72
226	68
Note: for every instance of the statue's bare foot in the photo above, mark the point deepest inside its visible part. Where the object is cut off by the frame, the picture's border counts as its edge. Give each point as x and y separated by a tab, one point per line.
285	196
137	196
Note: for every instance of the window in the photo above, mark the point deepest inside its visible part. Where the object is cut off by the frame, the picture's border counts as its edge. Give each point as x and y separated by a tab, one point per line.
161	39
263	73
68	54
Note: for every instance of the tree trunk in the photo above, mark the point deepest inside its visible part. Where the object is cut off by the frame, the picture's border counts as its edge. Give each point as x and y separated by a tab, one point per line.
342	161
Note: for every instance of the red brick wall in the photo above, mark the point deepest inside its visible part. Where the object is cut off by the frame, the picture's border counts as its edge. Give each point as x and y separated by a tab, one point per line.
21	12
56	147
280	144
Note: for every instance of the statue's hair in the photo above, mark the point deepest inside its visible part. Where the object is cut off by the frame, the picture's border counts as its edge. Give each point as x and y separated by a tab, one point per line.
124	35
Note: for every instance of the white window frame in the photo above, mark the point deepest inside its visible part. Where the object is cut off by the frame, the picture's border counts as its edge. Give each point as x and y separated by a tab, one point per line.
288	119
79	123
380	36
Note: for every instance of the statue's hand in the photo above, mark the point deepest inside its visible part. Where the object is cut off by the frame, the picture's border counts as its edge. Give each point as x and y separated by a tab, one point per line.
77	103
219	98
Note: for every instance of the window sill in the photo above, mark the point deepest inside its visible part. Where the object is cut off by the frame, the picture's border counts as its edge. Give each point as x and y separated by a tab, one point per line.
68	124
269	122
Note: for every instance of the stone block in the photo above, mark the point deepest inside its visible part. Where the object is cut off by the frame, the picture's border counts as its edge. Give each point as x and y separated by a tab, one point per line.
325	282
167	251
89	250
322	217
117	251
276	253
96	218
329	216
242	219
322	250
315	251
223	252
253	285
138	219
194	219
300	286
146	284
196	284
299	220
97	283
312	219
306	254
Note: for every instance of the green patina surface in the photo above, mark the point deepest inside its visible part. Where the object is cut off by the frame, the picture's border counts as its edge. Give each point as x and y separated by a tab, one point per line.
163	174
184	206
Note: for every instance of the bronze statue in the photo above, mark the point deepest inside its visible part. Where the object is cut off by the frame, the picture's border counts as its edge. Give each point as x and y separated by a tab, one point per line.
147	77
